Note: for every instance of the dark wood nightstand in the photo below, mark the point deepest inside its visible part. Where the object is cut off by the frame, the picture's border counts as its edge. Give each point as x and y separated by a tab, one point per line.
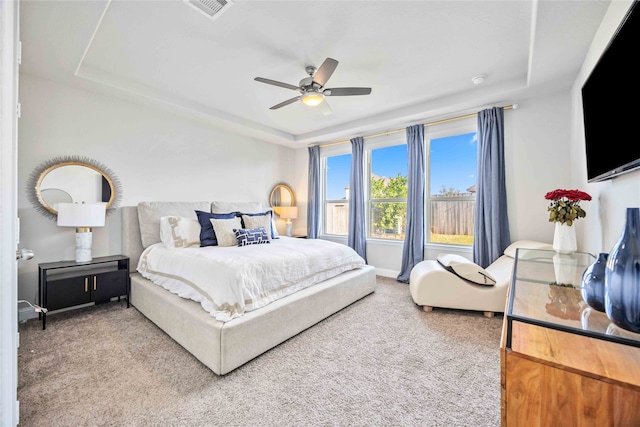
66	284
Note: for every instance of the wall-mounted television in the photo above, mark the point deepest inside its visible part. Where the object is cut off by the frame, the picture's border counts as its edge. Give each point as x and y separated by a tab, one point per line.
611	104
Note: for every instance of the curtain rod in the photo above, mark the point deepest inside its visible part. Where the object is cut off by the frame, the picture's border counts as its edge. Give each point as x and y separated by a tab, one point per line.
437	122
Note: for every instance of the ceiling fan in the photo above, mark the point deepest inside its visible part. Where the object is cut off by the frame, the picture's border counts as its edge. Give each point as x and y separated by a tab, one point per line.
312	89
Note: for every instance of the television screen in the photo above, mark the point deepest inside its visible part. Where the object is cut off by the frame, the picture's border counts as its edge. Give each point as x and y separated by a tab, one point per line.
610	99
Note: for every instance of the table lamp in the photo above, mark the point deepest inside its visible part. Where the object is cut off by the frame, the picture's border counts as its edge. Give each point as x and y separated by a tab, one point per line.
288	213
83	216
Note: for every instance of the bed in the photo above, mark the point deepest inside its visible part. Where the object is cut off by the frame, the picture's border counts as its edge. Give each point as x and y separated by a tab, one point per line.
225	340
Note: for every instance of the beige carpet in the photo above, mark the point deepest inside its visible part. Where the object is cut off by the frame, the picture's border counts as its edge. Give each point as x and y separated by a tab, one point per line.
380	362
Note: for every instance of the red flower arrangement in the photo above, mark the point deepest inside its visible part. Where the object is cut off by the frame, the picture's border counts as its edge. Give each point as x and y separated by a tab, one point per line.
565	205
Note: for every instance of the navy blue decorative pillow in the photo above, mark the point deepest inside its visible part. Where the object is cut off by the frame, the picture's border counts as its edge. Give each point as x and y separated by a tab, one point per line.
253	236
207	235
260	219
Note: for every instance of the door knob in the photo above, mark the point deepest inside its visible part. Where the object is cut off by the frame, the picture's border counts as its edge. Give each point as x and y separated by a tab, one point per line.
24	254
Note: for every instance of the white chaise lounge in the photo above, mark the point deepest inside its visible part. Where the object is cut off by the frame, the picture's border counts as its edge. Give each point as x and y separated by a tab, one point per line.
431	285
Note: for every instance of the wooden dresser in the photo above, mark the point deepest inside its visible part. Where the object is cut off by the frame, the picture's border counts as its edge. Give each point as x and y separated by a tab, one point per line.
562	362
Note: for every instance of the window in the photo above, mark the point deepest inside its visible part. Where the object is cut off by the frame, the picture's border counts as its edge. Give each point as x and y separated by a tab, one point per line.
388	184
451	198
336	194
450	192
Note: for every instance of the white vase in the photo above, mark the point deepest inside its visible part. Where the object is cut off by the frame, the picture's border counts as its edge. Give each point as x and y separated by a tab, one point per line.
564	239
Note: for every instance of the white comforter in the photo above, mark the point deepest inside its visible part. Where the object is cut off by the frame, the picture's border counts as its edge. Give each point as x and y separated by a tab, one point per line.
229	281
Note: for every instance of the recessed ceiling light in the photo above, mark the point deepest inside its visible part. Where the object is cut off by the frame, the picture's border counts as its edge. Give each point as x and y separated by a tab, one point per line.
479	79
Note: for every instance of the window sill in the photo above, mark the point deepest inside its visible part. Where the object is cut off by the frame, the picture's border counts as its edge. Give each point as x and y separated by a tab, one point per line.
345	239
446	246
440	247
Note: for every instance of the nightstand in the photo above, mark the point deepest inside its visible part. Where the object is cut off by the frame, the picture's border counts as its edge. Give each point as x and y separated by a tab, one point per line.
65	284
299	236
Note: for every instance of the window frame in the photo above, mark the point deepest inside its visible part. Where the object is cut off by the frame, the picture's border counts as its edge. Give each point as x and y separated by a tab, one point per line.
325	152
443	130
381	142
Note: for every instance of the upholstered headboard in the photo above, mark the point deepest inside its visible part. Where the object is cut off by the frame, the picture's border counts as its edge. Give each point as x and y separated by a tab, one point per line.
135	238
131	242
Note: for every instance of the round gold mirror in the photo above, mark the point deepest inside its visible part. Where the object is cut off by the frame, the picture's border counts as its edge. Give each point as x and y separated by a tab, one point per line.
281	195
72	180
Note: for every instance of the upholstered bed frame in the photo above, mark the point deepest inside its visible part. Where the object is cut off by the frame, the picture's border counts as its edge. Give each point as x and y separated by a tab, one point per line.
224	346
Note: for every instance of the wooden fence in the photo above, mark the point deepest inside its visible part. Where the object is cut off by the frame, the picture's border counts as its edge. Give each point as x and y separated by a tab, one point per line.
336	218
449	217
453	217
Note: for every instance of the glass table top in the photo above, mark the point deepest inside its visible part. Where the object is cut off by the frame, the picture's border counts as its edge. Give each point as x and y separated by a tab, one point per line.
546	291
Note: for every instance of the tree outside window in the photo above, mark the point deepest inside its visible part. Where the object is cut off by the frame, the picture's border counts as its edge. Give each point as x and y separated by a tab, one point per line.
388	195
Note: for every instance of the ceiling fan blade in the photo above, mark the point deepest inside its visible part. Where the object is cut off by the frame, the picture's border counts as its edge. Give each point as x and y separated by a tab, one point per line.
347	91
285	103
325	71
275	83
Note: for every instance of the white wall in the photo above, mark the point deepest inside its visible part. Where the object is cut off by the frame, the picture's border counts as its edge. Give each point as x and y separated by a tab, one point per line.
606	212
537	160
155	154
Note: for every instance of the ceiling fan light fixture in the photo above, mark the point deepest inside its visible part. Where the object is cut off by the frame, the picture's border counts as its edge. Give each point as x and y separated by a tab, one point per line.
312	98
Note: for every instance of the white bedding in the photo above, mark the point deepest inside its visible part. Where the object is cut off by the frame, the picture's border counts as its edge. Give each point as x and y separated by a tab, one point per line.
229	281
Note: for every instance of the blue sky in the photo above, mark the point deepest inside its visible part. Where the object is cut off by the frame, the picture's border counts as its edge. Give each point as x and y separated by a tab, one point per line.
453	164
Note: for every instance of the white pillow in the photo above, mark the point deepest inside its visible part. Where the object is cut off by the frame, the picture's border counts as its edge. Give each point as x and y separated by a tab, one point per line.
224	229
528	244
466	269
177	232
258	221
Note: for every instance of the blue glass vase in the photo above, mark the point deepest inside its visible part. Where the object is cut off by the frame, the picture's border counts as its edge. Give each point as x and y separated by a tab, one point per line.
593	283
622	276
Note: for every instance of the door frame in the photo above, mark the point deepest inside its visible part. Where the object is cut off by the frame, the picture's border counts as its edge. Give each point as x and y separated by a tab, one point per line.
9	42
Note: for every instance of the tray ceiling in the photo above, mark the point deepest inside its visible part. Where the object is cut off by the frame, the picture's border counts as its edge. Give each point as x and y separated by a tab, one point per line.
419	57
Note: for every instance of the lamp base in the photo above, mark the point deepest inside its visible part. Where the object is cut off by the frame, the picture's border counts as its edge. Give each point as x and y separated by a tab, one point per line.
83	245
289	230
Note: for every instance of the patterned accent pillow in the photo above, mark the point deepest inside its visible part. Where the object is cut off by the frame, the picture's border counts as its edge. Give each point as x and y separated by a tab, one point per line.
207	235
254	236
224	229
177	232
256	220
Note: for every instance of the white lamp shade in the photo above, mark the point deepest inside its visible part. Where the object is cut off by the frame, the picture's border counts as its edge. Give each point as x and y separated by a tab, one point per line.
81	214
289	212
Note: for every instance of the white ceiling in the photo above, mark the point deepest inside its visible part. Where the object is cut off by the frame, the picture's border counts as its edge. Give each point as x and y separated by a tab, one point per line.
417	56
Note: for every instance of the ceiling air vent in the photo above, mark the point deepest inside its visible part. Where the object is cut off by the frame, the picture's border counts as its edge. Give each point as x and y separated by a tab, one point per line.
210	8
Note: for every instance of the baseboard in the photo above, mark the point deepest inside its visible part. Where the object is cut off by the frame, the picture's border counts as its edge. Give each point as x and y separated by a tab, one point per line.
26	313
387	273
